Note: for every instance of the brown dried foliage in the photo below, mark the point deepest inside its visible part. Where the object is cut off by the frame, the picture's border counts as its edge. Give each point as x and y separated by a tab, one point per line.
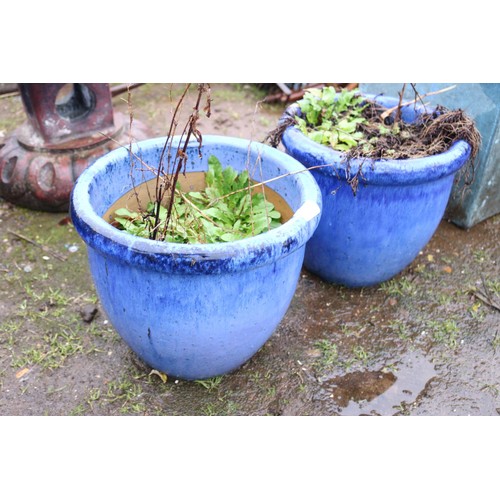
432	133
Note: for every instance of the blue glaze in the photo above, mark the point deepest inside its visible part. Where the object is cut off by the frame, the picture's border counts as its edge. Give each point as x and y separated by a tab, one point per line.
365	239
195	311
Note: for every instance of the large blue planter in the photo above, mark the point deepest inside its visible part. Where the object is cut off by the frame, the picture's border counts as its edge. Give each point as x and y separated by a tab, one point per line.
368	238
195	311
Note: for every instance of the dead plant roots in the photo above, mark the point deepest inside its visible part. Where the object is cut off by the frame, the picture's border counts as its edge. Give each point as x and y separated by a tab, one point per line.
392	138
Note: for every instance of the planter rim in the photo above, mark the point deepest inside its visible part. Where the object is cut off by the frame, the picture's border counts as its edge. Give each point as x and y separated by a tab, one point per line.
386	172
195	258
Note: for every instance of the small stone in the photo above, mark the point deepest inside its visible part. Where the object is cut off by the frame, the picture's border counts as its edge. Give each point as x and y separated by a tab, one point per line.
88	312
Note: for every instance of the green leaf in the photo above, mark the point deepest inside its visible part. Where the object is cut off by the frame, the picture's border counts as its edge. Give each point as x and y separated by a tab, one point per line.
346	126
317	135
214	171
328	112
230	237
216	214
229	175
347	139
125	212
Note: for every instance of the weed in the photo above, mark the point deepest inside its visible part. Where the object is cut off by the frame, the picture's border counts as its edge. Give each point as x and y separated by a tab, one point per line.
231	408
77	411
329	353
476	311
210	383
398	287
444	299
137	408
345	329
271	391
56	298
401	329
57	347
219	408
8	329
444	332
123	389
479	256
209	409
360	354
32	294
94	395
493	286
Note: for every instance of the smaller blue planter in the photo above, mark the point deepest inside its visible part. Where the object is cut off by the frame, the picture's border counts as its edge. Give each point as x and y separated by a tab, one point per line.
195	311
365	239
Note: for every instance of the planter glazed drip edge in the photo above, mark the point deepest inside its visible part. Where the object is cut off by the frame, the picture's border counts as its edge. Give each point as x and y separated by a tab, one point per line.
368	238
195	311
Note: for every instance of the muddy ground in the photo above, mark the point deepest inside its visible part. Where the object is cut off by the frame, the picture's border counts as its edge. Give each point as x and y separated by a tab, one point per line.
424	343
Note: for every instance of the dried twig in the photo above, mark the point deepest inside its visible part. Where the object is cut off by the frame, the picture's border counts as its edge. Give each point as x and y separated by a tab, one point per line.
43	247
398	108
486	296
181	156
486	300
385	114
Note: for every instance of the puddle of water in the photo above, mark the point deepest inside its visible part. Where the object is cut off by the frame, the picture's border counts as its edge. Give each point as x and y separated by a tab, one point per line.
380	392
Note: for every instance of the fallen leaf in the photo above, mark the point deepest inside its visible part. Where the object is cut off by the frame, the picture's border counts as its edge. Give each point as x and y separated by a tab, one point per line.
163	376
430	258
22	372
447	269
64	221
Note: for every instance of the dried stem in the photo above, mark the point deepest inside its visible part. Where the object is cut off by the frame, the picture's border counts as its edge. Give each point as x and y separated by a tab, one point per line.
163	184
386	113
181	157
398	110
131	157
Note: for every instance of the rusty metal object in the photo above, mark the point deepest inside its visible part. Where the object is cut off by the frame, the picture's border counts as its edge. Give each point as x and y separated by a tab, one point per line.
41	160
11	89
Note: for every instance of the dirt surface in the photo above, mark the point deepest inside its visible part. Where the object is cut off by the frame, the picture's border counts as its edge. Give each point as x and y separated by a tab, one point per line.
423	343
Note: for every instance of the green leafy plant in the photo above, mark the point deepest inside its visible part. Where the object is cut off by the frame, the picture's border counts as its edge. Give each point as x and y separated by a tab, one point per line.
226	210
332	118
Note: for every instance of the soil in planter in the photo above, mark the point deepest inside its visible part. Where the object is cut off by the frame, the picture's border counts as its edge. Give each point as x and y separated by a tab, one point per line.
390	137
191	181
385	135
433	133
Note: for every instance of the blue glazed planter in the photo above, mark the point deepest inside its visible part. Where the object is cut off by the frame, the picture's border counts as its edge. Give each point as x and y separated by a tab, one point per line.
366	239
195	311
